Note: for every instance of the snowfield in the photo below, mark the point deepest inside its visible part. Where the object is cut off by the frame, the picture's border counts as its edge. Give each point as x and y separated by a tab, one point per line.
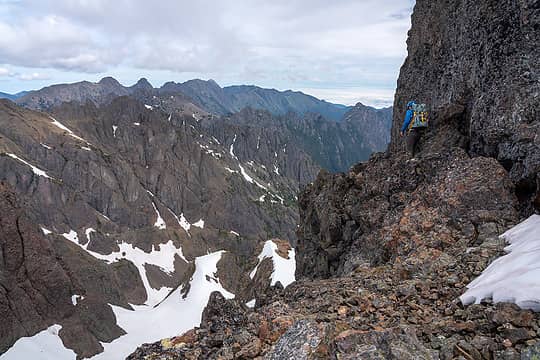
44	345
514	277
283	268
173	316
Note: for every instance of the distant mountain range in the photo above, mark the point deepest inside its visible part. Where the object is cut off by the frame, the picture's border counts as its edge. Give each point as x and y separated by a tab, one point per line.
207	95
12	97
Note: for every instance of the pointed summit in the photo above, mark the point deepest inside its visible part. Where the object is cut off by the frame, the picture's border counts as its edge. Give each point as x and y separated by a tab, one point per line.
143	84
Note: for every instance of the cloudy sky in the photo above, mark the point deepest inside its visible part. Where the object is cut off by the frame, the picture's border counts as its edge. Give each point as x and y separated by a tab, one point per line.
343	51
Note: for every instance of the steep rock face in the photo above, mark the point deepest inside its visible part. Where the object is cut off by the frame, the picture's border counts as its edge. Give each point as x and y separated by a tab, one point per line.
477	66
40	276
372	125
334	146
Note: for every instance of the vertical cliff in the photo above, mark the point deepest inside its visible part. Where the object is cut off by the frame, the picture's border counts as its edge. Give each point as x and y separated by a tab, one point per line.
477	65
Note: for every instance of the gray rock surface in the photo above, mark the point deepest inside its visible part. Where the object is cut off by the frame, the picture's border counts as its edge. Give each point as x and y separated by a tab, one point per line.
477	66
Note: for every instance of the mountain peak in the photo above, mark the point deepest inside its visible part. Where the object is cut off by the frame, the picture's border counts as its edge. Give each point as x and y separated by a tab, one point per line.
143	83
109	81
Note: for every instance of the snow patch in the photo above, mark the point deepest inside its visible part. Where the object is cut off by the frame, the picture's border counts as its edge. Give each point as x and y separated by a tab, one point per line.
174	316
46	146
283	268
75	298
63	127
72	236
137	124
160	223
35	170
514	277
249	179
231	170
199	224
46	231
43	345
234	233
114	128
182	221
163	258
86	148
231	149
149	107
251	304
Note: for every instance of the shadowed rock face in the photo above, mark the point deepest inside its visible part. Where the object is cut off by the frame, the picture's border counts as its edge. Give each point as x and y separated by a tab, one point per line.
477	66
333	146
39	275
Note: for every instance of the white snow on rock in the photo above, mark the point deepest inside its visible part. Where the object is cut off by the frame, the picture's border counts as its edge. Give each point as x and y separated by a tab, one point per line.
86	148
46	231
182	221
149	107
46	146
163	258
276	169
160	223
114	128
45	345
174	316
199	224
71	236
514	277
36	170
249	179
283	268
234	233
75	298
231	149
137	124
251	303
231	170
71	133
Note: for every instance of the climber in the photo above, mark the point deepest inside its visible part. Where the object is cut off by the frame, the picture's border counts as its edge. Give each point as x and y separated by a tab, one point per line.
414	124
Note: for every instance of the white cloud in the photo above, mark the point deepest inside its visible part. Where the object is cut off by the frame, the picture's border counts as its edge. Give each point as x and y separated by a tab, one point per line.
32	76
294	44
4	71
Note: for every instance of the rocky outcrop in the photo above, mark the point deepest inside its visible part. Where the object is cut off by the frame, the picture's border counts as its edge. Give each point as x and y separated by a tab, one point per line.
404	311
476	64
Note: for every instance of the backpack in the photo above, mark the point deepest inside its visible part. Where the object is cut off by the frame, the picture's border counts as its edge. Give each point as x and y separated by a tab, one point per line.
420	116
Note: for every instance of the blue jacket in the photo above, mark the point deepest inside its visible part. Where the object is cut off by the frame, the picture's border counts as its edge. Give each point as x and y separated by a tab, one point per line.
408	118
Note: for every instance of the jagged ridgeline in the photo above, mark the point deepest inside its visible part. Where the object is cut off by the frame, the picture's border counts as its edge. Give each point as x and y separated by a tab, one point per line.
386	250
127	206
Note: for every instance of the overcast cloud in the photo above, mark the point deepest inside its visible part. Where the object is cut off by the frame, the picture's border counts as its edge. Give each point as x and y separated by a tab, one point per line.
343	51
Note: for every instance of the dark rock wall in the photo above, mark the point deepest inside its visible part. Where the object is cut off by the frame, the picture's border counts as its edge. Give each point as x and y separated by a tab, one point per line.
477	65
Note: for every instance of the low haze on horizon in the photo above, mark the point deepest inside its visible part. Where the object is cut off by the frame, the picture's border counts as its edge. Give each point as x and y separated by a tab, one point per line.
345	53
